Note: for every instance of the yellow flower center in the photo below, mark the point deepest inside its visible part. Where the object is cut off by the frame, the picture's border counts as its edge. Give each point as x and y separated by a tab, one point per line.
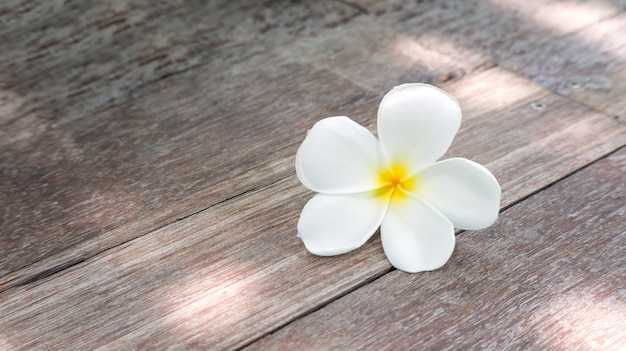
395	182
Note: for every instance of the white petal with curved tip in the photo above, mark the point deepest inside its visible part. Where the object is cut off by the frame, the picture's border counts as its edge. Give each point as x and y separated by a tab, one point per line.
463	191
335	224
417	123
416	237
339	156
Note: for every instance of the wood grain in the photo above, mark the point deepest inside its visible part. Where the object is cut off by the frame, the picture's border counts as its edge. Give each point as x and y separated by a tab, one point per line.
177	210
64	179
169	139
228	275
206	282
504	100
79	180
376	57
440	42
487	31
173	139
584	66
148	197
61	61
550	275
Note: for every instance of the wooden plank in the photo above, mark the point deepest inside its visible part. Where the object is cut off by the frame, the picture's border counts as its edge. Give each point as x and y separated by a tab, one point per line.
176	137
177	210
376	57
550	275
61	61
485	32
227	275
586	66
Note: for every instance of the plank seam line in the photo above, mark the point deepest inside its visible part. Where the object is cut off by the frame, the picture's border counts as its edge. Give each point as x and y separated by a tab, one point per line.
317	308
391	269
47	272
579	102
76	261
564	177
243	193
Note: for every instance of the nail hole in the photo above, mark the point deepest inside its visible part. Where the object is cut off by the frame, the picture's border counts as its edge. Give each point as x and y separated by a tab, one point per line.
539	106
575	83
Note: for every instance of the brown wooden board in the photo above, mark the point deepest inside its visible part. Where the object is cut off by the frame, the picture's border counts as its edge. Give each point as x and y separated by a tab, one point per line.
60	60
550	275
232	273
176	137
588	66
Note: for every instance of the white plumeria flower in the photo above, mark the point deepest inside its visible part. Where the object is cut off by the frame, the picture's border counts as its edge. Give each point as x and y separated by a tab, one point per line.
396	184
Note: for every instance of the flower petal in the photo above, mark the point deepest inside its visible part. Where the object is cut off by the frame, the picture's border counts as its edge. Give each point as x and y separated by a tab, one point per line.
415	236
417	123
463	191
339	156
335	224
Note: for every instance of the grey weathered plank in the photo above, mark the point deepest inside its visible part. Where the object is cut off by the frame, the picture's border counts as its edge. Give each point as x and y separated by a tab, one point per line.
588	66
550	275
228	275
376	57
61	60
154	219
487	31
402	41
176	137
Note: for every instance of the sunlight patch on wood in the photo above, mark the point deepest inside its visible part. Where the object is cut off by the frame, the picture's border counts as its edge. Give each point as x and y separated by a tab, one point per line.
561	16
586	321
200	307
409	49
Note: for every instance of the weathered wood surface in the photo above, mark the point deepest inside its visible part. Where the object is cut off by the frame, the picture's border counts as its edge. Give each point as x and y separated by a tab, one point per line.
226	276
76	181
61	61
175	138
80	179
146	165
488	31
549	276
588	66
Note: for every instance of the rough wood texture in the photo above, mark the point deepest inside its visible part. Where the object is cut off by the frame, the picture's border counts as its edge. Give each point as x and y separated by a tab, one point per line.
227	275
588	66
147	190
364	48
208	283
551	275
61	60
488	31
86	177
